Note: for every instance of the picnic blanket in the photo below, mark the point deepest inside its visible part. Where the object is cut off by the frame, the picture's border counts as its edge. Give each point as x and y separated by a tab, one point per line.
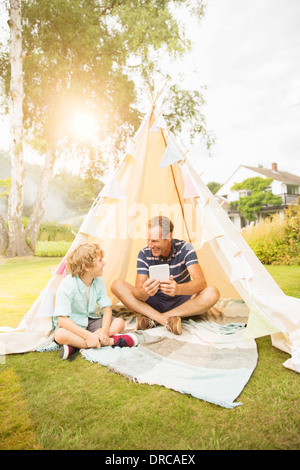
209	361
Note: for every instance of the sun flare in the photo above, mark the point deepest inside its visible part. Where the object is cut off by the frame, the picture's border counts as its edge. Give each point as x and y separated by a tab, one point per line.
84	126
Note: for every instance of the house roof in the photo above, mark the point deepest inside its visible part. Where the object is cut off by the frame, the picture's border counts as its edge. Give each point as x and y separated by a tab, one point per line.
283	176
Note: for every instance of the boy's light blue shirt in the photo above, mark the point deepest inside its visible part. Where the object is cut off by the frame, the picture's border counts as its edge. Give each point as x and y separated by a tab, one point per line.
71	300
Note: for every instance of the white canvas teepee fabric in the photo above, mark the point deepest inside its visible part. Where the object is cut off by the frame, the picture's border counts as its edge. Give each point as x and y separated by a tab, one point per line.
271	311
156	177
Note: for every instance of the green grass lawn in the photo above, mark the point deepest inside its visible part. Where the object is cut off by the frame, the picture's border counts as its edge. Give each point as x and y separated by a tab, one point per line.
48	404
287	277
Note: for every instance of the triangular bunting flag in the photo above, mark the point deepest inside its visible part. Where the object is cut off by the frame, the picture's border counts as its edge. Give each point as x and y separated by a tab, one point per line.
189	189
89	225
61	269
130	148
113	189
170	156
258	325
210	227
210	234
159	123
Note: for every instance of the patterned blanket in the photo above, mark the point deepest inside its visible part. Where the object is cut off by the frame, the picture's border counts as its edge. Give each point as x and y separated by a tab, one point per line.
209	361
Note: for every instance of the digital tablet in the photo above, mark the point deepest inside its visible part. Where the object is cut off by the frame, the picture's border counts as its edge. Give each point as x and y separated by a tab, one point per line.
160	272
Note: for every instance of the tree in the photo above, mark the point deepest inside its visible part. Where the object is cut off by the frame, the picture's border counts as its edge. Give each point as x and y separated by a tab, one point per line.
213	186
4	183
249	206
15	235
91	56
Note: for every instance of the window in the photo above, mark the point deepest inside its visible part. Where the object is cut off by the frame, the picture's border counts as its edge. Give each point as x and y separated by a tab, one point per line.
292	189
245	192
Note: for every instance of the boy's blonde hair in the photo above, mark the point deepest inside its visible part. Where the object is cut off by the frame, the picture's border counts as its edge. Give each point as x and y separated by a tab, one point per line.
84	256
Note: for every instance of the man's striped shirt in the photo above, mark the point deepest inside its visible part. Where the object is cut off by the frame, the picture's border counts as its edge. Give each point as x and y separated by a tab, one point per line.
182	256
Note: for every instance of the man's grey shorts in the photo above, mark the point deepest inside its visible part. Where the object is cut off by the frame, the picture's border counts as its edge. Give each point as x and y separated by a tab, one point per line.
93	324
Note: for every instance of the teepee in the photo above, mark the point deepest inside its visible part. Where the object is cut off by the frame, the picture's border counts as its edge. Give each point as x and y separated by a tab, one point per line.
156	177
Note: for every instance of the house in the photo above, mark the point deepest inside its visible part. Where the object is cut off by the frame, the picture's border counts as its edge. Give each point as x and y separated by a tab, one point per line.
284	184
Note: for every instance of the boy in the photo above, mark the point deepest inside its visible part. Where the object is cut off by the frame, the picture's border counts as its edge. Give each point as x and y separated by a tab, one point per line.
76	325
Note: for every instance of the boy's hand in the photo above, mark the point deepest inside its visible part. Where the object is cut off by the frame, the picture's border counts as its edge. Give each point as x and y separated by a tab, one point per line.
103	336
92	340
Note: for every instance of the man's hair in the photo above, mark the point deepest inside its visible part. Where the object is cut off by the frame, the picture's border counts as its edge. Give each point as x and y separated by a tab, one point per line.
162	221
83	256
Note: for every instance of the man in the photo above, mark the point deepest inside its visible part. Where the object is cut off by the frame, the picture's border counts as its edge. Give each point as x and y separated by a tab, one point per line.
165	302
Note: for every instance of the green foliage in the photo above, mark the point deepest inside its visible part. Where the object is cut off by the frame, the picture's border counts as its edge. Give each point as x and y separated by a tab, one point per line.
292	224
255	184
213	186
277	241
80	56
52	249
182	103
77	192
51	231
54	240
252	204
271	252
5	183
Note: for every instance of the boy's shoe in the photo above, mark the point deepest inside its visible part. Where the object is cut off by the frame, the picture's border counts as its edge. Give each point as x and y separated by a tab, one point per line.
129	340
174	325
68	352
144	323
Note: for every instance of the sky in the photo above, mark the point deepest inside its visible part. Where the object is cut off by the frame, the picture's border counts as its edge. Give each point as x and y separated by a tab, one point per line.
247	54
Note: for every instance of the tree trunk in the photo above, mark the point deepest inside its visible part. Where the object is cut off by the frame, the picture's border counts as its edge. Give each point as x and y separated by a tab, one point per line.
3	235
38	210
17	245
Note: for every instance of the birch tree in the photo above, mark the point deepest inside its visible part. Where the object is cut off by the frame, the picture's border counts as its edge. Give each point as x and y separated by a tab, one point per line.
88	54
17	245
